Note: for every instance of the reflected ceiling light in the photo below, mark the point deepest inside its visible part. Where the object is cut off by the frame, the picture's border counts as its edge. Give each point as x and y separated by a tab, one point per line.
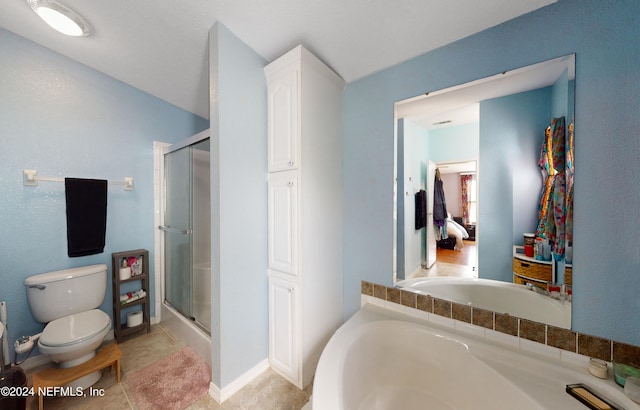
60	17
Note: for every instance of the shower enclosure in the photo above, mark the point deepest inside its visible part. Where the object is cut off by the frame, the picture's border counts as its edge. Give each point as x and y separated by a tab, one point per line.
187	230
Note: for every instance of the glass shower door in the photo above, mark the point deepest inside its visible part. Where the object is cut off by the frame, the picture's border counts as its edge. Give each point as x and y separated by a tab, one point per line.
178	231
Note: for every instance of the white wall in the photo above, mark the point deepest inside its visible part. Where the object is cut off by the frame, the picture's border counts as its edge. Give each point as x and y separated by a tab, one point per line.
452	193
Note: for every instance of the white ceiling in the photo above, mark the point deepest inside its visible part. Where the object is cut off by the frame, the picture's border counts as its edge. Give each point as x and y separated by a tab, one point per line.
457	167
161	46
460	104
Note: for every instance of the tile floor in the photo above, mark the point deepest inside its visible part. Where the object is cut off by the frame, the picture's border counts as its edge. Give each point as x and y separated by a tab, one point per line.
266	392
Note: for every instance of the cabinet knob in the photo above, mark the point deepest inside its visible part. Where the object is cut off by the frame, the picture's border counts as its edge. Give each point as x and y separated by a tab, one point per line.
290	163
290	183
290	290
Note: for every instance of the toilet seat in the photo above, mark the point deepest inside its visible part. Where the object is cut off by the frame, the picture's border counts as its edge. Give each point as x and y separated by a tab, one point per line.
76	328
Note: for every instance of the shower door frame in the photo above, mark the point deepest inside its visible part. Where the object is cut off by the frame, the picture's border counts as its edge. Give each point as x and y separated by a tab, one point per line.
160	150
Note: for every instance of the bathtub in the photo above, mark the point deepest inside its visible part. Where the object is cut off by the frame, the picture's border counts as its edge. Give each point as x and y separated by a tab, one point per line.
500	297
188	333
382	359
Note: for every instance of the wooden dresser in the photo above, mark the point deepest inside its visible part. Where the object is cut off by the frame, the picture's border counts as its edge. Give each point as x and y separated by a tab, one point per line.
530	270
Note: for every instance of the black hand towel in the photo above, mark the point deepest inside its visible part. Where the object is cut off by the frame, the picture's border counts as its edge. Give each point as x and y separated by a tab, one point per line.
421	209
86	216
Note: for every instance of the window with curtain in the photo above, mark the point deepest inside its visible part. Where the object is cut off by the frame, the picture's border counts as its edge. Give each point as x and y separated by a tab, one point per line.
469	198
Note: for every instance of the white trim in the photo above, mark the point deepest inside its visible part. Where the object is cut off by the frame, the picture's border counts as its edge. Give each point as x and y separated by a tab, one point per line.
159	149
416	271
232	388
194	139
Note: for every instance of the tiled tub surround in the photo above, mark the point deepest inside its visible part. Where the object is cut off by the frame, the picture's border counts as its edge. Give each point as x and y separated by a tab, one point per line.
494	295
417	363
551	341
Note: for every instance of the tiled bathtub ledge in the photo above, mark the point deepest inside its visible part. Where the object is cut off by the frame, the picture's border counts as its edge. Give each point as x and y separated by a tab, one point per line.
551	341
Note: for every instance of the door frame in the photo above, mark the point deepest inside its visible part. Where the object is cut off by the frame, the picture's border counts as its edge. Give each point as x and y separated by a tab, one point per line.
159	150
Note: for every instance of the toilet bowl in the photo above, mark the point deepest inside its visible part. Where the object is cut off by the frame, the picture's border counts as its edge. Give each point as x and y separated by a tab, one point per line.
72	337
67	301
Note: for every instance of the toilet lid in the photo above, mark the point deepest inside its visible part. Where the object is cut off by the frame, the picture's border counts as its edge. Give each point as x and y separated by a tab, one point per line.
75	328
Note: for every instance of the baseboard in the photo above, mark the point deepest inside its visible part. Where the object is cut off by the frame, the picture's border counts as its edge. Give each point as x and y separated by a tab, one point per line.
415	272
232	388
309	405
35	362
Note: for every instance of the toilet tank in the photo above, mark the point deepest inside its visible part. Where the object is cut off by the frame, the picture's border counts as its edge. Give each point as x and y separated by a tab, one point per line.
53	295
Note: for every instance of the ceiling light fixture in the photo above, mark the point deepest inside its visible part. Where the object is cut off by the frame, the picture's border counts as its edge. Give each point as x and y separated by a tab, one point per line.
60	17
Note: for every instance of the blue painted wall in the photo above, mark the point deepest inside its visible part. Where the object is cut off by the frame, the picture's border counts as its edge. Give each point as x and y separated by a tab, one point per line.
603	34
239	216
455	144
415	159
509	184
65	119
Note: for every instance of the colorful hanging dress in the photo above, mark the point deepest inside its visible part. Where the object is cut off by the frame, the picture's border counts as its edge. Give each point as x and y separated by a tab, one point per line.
552	205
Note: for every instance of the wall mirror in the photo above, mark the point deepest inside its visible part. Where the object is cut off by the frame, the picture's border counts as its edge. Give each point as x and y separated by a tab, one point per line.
492	132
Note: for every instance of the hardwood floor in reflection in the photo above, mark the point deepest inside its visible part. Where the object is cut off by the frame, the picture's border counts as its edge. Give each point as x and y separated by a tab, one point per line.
468	255
459	263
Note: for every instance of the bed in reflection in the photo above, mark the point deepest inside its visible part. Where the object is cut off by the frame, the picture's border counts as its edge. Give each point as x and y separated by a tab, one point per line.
456	234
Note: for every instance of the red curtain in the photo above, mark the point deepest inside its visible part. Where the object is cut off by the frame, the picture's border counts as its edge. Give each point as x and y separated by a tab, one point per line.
464	185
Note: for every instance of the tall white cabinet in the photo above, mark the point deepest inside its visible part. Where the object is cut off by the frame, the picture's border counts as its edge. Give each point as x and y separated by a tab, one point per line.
304	210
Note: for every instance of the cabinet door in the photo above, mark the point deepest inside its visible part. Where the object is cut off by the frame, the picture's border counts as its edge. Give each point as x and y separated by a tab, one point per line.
283	222
283	348
283	121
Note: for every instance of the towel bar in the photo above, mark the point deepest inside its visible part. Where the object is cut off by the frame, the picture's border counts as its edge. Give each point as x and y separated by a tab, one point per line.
30	178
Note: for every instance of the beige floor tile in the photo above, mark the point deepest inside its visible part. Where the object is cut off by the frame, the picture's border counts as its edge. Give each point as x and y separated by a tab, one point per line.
205	403
268	391
114	398
146	349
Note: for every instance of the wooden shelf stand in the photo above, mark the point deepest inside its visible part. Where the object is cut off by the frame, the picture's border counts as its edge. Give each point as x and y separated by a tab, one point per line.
120	328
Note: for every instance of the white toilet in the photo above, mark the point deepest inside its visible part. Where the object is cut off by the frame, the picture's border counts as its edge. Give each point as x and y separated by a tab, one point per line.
67	300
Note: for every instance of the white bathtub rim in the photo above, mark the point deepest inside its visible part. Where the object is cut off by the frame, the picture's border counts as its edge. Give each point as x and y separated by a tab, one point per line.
369	317
493	380
544	380
562	320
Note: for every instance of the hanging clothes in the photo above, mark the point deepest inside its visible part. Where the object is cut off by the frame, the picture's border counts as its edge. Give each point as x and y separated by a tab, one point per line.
568	224
439	208
552	205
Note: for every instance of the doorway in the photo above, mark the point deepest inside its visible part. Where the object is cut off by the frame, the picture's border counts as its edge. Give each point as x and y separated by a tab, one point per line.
457	254
420	150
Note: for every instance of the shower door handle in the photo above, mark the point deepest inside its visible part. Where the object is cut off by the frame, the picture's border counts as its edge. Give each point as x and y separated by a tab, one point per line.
168	228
